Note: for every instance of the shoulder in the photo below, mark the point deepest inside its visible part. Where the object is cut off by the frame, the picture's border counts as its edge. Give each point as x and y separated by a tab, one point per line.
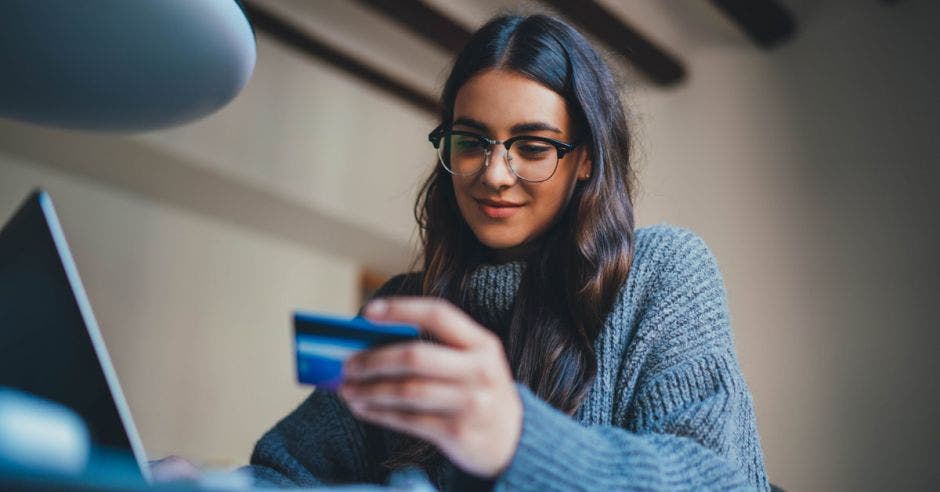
667	257
676	288
673	278
666	243
403	284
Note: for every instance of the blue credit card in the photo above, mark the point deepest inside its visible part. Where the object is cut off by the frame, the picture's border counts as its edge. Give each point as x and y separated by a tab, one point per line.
323	342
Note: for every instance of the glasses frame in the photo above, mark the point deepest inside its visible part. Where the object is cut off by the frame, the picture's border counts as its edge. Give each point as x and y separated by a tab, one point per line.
439	133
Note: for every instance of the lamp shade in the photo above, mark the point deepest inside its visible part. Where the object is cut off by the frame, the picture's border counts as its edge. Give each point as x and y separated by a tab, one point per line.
119	65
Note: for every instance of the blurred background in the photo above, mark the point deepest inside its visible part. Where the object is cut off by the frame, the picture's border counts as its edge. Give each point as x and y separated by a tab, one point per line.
797	137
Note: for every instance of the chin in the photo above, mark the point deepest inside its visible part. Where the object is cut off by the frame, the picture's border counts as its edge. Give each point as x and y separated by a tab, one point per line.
494	240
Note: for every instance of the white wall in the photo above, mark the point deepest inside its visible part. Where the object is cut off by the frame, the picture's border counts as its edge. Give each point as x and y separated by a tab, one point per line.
306	131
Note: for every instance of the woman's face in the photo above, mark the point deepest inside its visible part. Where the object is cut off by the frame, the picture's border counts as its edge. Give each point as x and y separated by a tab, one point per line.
505	212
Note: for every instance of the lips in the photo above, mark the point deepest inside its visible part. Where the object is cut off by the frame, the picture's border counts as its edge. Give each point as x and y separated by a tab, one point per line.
497	209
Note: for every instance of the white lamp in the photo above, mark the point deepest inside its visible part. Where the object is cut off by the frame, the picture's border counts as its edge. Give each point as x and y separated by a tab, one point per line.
119	65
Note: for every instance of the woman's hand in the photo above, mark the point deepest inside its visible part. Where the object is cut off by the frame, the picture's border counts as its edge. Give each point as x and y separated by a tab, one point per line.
458	395
171	469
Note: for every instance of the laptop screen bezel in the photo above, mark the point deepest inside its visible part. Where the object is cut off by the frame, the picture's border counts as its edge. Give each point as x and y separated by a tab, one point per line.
94	333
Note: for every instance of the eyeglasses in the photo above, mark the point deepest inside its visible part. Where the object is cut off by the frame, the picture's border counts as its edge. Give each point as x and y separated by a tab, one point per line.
530	158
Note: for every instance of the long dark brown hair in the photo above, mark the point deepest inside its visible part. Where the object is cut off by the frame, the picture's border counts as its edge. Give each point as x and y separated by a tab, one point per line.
571	281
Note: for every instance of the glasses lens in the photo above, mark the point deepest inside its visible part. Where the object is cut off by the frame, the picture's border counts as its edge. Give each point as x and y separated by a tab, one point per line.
533	160
462	154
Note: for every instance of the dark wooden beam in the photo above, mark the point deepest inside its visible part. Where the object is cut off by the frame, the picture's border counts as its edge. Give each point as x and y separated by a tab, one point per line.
424	21
291	35
766	22
658	65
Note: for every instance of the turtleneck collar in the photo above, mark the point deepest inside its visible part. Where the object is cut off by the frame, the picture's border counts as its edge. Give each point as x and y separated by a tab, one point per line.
492	291
515	253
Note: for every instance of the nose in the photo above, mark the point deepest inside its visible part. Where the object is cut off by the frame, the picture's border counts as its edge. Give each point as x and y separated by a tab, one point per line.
496	172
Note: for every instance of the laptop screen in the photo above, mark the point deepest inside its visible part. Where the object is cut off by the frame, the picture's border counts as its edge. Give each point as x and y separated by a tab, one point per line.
50	345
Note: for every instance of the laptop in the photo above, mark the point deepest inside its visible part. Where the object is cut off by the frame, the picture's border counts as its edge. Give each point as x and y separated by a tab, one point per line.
50	345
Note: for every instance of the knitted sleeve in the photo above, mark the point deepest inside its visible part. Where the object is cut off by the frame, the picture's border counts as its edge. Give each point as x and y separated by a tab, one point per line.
321	442
691	422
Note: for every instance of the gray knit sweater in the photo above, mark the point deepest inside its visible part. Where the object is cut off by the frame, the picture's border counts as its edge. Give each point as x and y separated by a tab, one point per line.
669	408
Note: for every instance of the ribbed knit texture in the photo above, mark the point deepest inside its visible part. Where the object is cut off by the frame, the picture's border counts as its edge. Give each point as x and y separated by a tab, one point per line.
669	408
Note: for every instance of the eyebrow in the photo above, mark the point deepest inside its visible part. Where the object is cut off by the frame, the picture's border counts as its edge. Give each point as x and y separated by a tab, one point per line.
531	126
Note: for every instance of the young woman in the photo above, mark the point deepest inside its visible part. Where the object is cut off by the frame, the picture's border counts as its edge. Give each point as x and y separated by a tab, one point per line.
570	351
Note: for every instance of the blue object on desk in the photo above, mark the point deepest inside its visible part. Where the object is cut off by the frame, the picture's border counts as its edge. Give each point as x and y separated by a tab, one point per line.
38	436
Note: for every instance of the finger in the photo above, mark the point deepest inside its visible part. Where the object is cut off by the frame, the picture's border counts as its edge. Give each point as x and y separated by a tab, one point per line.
407	395
437	317
428	426
172	468
409	359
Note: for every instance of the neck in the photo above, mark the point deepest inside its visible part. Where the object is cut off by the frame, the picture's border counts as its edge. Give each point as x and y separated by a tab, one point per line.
514	253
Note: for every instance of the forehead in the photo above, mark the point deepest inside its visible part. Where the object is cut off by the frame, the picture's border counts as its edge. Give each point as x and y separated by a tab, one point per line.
501	99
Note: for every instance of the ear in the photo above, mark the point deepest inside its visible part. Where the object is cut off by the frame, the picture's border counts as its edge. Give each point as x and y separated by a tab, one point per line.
585	165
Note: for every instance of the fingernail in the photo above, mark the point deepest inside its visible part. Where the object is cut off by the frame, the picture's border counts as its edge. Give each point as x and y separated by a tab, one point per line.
377	308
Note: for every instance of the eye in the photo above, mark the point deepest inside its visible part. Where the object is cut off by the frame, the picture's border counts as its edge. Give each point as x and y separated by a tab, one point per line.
466	145
533	150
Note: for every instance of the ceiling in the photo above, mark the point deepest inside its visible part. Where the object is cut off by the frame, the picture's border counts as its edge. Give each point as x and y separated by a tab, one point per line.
367	34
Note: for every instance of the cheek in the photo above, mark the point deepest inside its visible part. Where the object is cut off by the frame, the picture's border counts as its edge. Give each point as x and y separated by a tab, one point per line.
547	205
464	200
